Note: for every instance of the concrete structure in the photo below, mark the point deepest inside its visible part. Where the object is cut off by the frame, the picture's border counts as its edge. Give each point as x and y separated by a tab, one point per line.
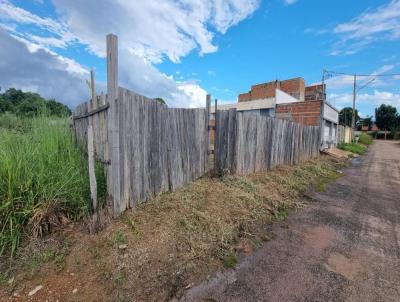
292	100
293	87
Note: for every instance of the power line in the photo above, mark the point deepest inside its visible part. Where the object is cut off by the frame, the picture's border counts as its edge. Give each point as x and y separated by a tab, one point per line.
363	75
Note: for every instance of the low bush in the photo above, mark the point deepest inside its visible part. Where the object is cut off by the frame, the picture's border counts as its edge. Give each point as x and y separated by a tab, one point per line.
43	179
365	139
354	148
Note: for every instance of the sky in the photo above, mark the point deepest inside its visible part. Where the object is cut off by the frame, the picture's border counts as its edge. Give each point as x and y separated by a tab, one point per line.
181	50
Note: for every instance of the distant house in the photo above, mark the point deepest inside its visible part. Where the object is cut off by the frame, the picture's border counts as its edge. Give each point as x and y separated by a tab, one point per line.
365	128
292	100
374	127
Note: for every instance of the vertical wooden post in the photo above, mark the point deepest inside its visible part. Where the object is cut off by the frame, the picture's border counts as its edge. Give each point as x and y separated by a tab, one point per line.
92	104
113	127
208	112
93	90
92	175
215	134
93	120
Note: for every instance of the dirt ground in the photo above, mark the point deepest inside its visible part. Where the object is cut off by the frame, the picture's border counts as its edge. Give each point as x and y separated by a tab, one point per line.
167	245
344	247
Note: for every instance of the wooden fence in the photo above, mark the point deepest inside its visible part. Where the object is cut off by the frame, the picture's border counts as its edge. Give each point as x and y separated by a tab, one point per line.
148	148
159	148
248	142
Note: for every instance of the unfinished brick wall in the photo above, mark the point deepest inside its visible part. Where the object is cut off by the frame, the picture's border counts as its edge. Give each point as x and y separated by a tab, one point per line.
314	92
294	87
244	97
306	113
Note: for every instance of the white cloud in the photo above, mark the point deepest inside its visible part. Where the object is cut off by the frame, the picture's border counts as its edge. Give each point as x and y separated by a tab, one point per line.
289	2
375	99
12	16
195	93
154	29
39	71
149	32
380	24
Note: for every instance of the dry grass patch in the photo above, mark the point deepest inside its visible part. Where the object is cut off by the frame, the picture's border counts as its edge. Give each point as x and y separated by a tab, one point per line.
180	238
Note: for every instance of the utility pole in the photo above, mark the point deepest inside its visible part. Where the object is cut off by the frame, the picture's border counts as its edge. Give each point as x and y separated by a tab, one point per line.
353	118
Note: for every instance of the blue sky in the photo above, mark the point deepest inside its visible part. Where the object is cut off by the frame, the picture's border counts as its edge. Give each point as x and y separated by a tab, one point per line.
180	50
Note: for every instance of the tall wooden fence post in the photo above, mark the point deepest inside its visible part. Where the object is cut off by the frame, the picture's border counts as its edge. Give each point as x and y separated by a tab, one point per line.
215	133
208	112
92	175
92	105
114	189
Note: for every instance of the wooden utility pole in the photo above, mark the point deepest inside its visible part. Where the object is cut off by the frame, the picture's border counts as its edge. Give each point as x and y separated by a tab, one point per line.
353	117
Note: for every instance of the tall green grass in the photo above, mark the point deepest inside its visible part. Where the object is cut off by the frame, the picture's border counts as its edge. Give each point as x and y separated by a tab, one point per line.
43	176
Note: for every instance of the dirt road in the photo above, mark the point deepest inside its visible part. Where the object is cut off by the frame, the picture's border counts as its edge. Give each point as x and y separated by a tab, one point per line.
343	247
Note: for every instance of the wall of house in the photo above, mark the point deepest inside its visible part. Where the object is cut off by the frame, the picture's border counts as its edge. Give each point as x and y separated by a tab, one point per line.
306	113
314	92
294	87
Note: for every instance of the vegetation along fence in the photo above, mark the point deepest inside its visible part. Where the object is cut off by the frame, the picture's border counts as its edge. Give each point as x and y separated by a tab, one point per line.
248	142
148	148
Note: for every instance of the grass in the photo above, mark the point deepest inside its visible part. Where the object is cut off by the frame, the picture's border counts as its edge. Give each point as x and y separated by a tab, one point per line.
43	179
190	233
365	139
354	148
118	238
179	238
230	260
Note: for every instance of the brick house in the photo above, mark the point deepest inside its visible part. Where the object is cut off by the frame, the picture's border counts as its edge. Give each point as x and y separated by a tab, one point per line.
293	100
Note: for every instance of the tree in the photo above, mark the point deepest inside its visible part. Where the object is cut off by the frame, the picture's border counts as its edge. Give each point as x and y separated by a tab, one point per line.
15	96
161	101
30	104
5	105
367	122
58	109
386	117
345	116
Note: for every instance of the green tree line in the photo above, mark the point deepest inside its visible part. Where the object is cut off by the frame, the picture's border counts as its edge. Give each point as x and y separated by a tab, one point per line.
29	104
386	118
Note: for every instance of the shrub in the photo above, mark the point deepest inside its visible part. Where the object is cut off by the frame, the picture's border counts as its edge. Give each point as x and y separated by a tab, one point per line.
365	139
43	179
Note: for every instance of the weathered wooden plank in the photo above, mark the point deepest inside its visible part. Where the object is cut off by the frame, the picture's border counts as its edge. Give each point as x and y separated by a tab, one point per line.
92	175
261	143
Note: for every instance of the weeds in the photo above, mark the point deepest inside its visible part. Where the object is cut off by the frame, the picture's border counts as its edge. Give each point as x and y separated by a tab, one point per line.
118	238
230	260
43	179
281	212
354	148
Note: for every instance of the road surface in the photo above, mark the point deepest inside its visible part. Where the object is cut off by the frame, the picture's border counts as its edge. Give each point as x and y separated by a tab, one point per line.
344	247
